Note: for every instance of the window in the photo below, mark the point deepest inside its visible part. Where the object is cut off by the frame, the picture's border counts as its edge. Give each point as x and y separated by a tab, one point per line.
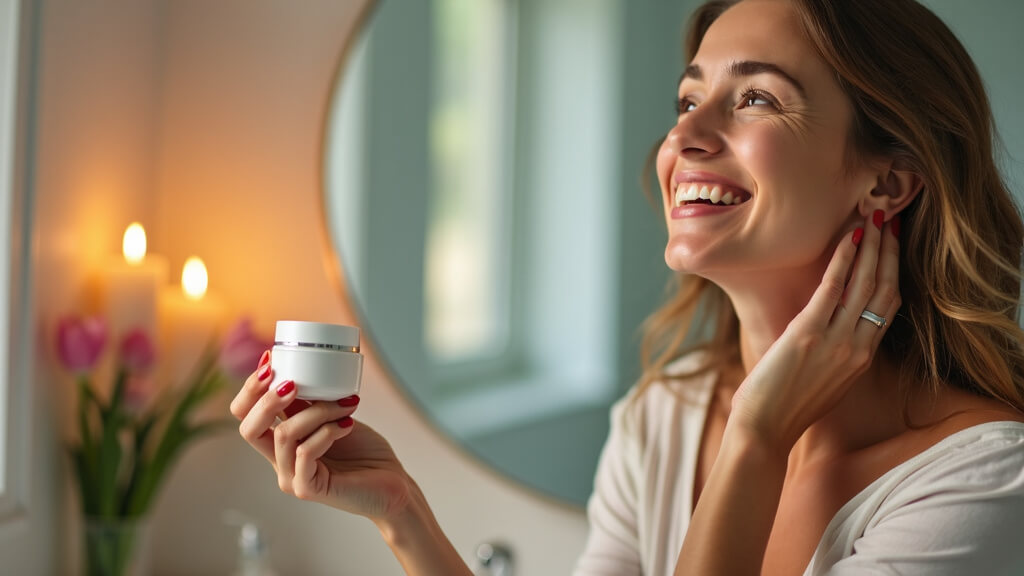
468	250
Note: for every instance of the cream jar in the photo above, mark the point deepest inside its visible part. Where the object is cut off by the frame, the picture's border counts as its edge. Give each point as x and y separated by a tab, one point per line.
322	359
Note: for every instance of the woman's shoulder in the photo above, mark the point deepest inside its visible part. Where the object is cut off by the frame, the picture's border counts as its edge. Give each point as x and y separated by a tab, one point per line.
957	417
960	500
971	456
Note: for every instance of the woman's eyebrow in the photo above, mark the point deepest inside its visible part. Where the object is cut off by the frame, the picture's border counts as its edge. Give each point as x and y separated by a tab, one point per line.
746	68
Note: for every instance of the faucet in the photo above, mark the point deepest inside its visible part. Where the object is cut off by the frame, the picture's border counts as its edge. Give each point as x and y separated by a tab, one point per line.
495	559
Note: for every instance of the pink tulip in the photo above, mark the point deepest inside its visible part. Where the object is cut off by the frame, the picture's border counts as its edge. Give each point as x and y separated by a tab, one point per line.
80	342
242	349
137	352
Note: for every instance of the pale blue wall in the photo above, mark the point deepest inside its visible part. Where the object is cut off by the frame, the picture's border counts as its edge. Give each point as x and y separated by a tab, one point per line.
991	32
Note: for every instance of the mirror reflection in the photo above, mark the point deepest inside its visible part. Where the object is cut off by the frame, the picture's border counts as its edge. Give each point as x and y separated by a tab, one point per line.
483	191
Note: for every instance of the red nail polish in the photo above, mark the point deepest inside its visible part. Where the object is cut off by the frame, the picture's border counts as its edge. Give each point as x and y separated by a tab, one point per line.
878	218
895	225
285	388
264	359
857	235
346	422
263	372
349	401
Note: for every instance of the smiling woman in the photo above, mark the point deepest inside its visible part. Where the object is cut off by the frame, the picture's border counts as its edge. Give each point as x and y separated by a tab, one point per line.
836	381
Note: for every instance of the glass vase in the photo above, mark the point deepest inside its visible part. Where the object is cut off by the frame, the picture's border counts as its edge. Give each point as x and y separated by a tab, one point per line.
116	547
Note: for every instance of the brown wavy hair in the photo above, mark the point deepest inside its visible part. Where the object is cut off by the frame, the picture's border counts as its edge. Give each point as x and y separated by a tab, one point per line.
917	98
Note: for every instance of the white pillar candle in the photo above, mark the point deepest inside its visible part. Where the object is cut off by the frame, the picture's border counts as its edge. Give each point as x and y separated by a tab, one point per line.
191	317
132	287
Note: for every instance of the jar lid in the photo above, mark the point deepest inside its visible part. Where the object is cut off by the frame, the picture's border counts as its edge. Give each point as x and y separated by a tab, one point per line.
296	332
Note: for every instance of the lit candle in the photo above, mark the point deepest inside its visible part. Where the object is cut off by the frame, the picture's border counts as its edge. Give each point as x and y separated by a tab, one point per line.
133	284
191	316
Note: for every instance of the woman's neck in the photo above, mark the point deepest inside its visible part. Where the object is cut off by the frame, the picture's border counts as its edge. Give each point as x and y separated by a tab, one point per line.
870	413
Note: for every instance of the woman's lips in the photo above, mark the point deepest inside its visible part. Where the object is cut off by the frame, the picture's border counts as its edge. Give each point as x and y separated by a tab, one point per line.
692	210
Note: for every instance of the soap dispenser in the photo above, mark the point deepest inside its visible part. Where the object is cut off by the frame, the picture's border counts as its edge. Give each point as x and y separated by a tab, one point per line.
253	554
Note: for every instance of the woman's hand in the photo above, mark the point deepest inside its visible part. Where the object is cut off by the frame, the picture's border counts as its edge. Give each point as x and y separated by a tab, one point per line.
318	451
827	345
320	454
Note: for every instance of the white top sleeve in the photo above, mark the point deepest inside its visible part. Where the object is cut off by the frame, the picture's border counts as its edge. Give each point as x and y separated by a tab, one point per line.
612	547
961	513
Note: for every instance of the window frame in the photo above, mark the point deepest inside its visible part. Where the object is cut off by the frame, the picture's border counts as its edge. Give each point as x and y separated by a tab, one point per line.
17	112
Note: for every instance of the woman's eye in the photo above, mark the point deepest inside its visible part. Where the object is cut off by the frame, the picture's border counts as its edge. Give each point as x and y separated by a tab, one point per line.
757	98
684	105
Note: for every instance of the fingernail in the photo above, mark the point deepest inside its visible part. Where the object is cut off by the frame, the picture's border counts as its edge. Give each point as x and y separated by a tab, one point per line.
346	422
264	359
285	388
349	401
895	225
878	218
857	235
263	372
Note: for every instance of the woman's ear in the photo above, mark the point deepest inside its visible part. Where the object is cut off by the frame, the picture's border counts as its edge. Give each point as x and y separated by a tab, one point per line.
897	185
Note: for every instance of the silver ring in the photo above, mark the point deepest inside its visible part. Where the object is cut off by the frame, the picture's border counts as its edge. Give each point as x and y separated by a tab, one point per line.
873	318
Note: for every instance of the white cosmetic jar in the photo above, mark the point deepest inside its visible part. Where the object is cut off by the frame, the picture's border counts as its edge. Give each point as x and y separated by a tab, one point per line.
322	359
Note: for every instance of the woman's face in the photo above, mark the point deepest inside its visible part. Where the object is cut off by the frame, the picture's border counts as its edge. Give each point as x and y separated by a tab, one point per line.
761	117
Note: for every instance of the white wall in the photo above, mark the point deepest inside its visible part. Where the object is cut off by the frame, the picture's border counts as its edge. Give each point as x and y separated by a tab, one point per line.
94	153
244	89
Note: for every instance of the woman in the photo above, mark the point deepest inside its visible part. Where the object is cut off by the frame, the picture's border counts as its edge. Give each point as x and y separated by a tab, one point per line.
832	204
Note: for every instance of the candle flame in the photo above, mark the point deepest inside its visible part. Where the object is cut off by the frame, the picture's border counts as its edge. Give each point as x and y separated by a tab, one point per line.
134	244
194	278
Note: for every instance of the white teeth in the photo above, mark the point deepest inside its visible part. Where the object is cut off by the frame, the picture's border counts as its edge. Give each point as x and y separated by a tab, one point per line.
714	194
685	194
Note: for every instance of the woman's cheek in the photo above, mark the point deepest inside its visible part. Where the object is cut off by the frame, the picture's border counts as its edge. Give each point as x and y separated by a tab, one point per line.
765	152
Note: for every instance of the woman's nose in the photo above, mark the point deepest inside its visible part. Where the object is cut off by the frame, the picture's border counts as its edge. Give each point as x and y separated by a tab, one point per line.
696	134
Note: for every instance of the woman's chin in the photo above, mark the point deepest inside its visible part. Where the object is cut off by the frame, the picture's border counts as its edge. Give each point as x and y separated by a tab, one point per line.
689	252
682	257
707	261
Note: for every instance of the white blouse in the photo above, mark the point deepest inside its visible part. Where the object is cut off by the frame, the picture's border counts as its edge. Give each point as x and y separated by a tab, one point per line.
957	508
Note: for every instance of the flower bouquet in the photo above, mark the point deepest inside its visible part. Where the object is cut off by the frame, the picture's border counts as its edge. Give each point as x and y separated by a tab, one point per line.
130	437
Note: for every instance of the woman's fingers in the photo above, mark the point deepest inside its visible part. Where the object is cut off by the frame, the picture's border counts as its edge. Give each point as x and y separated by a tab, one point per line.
256	426
882	277
253	388
255	420
311	476
295	431
886	301
826	298
863	282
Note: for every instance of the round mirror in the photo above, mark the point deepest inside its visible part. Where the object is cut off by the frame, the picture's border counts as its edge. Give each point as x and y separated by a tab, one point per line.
483	163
